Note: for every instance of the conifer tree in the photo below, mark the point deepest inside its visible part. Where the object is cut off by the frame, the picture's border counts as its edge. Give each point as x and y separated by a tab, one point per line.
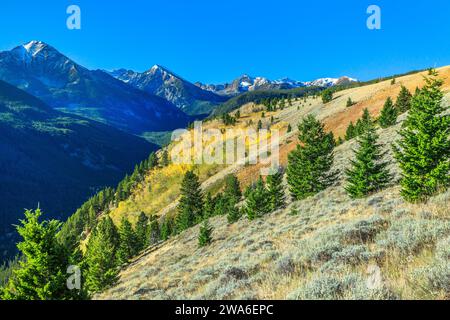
205	234
152	161
190	207
349	102
423	152
232	188
275	190
289	128
368	172
259	125
100	257
154	230
327	96
142	231
42	272
403	102
166	228
233	213
257	203
388	116
128	242
165	158
309	166
351	132
208	209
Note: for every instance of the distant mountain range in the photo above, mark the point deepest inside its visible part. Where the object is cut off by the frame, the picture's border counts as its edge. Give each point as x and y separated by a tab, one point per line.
246	83
42	71
168	85
55	159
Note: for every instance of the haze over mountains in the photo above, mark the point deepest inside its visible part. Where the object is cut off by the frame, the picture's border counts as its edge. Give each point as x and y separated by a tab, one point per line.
55	159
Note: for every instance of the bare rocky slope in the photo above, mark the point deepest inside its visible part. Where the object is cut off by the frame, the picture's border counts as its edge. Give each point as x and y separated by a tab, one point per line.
325	247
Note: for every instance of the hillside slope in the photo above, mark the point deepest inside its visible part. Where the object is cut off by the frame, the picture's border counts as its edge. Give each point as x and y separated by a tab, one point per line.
328	246
55	159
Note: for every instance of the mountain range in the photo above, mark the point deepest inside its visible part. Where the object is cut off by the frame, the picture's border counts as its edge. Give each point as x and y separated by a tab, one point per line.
42	71
161	82
246	83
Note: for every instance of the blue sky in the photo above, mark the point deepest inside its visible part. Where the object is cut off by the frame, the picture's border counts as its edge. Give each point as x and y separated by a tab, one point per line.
216	41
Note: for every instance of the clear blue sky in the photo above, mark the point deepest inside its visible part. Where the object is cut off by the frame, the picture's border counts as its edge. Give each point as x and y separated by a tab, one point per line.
216	41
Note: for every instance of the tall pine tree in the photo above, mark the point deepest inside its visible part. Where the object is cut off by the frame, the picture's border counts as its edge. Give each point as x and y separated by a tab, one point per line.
257	203
190	207
233	188
368	172
142	231
42	272
205	234
423	151
128	242
275	190
388	116
309	166
403	102
100	257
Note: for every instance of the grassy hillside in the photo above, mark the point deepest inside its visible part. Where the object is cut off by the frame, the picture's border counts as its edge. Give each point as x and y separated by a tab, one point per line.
55	160
327	246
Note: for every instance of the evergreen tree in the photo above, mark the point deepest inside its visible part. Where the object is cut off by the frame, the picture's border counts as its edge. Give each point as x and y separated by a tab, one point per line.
152	161
142	231
423	151
190	207
403	102
388	116
165	158
205	235
259	125
154	230
349	102
128	243
100	257
351	132
309	166
167	228
208	209
368	173
42	272
232	188
366	121
327	96
393	81
257	203
233	214
289	128
275	190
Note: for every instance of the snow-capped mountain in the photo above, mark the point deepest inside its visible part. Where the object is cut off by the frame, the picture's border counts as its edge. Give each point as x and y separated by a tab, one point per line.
168	85
247	83
42	71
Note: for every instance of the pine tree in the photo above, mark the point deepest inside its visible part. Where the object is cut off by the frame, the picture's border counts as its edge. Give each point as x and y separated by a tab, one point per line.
364	122
259	125
368	173
100	257
275	190
208	208
289	128
423	151
327	96
257	203
349	102
232	188
142	231
351	132
152	161
165	158
403	102
166	228
154	230
128	242
205	235
309	166
190	207
42	272
393	81
233	214
388	116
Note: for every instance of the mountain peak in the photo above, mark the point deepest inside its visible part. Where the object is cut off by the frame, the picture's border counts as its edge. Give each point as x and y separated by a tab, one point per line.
34	47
